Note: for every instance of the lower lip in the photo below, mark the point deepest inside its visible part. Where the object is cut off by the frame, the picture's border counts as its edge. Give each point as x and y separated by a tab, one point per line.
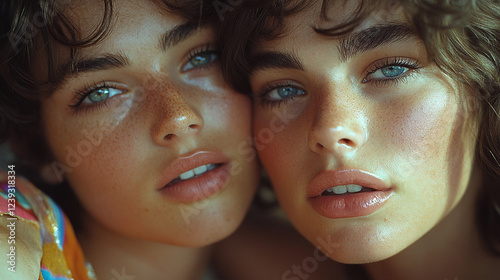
350	205
200	187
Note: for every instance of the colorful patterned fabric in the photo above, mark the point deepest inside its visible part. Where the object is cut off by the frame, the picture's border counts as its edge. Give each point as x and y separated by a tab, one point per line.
61	257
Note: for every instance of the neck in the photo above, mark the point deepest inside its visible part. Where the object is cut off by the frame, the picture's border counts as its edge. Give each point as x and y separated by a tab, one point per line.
114	256
452	250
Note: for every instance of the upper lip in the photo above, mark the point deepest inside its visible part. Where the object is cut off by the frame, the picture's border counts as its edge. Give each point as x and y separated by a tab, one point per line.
190	161
331	178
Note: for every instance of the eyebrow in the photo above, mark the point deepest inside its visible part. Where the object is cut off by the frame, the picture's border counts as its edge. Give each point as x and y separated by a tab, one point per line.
373	37
275	60
103	62
177	34
352	45
169	39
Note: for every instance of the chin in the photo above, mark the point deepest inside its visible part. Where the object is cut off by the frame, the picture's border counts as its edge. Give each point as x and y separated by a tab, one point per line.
195	237
361	257
357	246
210	227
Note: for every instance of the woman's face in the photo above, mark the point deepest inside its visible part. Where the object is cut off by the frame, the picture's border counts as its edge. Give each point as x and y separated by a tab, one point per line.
367	143
153	142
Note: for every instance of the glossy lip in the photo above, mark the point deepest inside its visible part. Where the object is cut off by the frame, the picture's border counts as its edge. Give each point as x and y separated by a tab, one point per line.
348	205
200	187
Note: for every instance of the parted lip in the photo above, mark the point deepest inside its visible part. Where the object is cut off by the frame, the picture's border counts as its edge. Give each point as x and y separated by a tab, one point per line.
190	161
331	178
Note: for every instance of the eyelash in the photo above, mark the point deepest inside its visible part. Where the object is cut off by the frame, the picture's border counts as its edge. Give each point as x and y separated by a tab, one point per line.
208	48
411	64
273	86
81	95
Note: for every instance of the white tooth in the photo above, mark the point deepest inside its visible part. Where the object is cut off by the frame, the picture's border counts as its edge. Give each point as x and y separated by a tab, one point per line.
340	189
200	170
187	175
354	188
211	167
330	190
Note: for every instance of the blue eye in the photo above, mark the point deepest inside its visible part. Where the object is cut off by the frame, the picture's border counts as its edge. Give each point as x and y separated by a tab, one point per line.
101	94
391	71
95	95
200	60
284	92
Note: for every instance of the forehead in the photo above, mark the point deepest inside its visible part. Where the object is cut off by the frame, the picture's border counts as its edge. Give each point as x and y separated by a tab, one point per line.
129	20
132	27
325	15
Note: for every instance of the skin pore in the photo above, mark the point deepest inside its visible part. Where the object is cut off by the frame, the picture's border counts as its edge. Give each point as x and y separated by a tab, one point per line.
372	101
151	96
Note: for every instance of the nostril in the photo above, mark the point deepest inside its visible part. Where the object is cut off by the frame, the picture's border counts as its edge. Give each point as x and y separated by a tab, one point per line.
319	146
345	141
169	136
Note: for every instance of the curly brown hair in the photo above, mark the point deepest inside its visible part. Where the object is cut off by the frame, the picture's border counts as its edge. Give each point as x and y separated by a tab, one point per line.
462	37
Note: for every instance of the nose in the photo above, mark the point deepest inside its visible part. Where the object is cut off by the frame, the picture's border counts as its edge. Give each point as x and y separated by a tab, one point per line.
338	126
176	120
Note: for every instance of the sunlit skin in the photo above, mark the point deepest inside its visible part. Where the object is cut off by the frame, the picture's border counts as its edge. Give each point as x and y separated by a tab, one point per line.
161	106
389	111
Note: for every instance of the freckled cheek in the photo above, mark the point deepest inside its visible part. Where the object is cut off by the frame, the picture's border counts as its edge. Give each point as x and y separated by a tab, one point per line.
280	132
227	119
421	131
95	150
238	114
116	155
284	161
111	176
278	147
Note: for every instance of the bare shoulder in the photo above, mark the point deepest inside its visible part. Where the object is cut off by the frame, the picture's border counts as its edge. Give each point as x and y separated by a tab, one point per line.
268	247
